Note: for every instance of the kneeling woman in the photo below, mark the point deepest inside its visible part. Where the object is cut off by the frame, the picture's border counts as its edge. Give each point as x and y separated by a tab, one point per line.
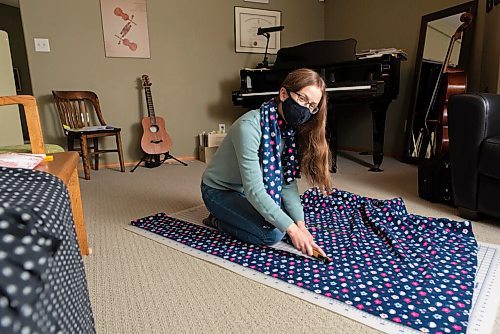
250	185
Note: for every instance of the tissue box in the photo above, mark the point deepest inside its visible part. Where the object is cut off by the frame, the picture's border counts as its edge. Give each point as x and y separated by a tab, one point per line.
206	153
215	139
211	139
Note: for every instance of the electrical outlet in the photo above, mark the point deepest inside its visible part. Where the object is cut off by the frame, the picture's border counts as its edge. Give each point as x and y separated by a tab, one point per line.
42	45
222	128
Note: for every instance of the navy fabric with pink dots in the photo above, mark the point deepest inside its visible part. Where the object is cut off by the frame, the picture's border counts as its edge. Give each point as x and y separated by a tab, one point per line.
274	129
410	269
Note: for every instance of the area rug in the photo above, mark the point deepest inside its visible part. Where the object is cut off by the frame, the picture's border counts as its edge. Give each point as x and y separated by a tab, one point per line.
391	270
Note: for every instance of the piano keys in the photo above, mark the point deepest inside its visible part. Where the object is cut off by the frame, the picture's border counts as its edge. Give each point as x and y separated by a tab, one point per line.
371	80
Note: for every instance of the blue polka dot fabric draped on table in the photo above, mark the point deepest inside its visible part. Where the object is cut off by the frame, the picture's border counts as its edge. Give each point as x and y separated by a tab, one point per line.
412	270
43	288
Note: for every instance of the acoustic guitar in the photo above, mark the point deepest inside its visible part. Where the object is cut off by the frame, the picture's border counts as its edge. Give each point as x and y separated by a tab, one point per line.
155	139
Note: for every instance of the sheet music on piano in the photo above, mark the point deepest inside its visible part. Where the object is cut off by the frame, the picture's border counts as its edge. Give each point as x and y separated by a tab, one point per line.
262	69
376	53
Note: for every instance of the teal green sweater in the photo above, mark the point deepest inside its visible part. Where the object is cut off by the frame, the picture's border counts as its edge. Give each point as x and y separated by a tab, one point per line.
236	166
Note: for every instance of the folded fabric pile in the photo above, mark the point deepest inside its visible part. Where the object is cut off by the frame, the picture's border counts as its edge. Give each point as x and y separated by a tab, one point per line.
410	269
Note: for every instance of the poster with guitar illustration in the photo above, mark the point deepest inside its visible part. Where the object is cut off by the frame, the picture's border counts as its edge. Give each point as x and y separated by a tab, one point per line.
125	28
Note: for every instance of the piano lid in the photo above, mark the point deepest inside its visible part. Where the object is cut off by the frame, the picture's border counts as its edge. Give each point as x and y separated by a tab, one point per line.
316	54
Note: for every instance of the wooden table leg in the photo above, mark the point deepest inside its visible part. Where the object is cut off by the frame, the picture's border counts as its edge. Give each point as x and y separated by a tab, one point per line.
64	166
77	208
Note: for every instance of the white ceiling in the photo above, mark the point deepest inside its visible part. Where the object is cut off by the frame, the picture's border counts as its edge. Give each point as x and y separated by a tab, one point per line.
14	3
453	21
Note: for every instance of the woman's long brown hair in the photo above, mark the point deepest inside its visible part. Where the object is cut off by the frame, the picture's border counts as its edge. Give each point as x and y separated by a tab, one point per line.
311	136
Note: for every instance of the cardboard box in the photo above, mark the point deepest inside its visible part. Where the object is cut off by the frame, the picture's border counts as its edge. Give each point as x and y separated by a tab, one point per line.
206	153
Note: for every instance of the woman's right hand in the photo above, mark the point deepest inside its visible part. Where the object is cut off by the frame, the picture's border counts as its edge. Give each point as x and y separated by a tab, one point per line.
302	240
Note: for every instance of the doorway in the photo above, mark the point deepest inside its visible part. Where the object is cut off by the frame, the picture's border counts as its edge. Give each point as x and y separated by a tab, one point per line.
11	22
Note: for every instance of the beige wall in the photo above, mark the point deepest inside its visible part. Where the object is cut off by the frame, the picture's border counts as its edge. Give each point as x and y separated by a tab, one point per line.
490	76
193	66
389	23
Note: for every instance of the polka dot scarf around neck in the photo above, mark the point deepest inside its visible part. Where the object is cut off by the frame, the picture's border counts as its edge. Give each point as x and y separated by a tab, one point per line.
273	129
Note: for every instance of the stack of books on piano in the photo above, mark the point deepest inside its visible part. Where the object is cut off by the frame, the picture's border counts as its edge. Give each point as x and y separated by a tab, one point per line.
375	53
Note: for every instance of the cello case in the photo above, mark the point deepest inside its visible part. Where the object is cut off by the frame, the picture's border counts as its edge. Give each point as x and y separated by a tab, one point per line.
434	181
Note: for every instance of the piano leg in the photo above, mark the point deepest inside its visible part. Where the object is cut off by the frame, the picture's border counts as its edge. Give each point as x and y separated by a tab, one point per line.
331	134
379	111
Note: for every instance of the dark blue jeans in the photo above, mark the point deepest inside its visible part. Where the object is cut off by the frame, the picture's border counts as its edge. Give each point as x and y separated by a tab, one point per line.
238	218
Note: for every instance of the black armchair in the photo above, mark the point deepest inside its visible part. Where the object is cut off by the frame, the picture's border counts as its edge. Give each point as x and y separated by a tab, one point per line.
474	132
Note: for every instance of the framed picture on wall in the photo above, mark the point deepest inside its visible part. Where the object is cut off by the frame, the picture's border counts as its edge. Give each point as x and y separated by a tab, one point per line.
125	28
246	23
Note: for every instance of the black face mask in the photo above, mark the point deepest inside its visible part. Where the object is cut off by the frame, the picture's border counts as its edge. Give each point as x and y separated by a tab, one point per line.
294	113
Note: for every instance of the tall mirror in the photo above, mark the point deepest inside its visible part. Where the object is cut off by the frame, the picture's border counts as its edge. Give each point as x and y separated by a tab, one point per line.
436	31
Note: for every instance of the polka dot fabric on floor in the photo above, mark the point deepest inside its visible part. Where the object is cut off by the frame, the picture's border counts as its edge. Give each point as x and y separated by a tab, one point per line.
43	288
409	269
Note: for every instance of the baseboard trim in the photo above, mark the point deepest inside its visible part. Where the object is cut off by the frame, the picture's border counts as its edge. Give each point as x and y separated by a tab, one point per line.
133	163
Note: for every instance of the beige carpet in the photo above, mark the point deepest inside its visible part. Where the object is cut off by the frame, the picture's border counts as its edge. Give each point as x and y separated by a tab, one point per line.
139	286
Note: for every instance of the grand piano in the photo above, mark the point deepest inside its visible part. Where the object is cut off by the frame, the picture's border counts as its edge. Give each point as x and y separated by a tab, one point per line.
351	80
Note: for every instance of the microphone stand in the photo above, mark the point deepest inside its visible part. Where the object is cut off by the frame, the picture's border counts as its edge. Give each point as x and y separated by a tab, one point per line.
265	63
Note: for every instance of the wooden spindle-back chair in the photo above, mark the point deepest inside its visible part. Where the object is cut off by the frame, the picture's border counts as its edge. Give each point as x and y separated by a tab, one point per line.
81	118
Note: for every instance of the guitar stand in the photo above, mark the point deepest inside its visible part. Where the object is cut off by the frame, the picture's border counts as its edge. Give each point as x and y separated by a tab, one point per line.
154	160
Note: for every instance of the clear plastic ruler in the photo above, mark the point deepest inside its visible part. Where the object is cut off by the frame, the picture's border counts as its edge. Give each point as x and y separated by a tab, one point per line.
486	290
484	304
